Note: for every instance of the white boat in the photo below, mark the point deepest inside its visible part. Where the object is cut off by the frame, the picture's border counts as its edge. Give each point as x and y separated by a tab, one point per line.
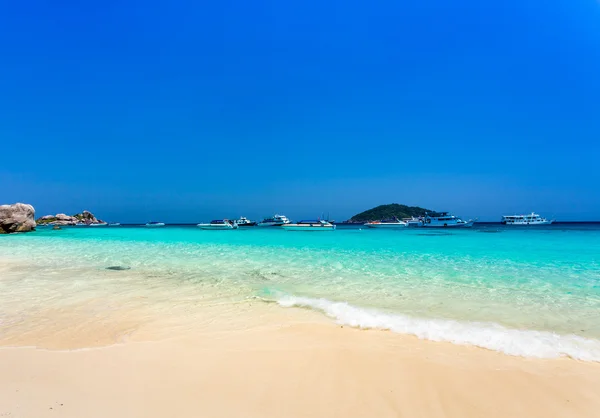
393	223
277	220
219	224
115	224
413	222
445	220
244	222
531	219
99	224
313	226
155	224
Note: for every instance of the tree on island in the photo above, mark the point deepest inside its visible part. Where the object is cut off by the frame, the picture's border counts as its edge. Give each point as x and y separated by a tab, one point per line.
389	212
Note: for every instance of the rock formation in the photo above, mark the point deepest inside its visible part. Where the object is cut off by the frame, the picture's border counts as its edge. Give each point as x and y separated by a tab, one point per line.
19	217
87	218
83	218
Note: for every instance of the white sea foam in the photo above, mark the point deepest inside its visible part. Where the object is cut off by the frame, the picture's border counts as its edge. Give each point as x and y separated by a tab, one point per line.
525	343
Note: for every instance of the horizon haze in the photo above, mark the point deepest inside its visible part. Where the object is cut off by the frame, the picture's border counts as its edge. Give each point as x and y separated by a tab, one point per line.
194	111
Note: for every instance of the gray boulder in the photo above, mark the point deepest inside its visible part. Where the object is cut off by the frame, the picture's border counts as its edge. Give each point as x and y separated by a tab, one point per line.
69	222
19	217
87	217
63	217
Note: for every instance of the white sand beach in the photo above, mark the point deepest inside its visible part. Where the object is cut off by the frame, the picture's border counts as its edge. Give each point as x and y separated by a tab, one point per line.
307	368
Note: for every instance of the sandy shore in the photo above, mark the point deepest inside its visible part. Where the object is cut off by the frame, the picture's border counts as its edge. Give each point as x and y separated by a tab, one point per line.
150	353
306	369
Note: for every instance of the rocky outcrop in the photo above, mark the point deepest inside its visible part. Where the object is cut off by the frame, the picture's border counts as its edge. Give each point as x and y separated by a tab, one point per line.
63	217
87	218
19	217
83	218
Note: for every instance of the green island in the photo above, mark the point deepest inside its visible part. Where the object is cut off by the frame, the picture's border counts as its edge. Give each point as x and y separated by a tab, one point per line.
388	212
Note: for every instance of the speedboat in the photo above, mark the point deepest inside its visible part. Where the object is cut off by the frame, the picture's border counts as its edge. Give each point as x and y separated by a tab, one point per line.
531	219
445	220
219	224
155	224
393	223
115	224
309	226
99	224
277	220
244	222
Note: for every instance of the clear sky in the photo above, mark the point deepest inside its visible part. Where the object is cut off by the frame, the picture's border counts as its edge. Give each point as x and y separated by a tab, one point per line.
187	110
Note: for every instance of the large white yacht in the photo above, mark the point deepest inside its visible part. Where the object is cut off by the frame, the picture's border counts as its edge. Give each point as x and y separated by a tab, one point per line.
531	219
393	223
277	220
445	220
314	226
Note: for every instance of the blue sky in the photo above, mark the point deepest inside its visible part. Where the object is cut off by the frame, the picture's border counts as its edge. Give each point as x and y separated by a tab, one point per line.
186	111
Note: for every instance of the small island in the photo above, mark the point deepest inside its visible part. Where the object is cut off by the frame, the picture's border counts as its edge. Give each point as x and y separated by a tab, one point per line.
388	212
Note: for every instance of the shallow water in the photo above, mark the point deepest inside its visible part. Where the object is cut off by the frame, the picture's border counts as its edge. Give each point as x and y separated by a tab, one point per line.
524	291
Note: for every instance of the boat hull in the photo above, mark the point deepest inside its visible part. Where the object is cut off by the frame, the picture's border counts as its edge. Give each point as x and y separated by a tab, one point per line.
413	224
246	225
387	225
268	224
316	228
154	225
542	223
457	225
208	227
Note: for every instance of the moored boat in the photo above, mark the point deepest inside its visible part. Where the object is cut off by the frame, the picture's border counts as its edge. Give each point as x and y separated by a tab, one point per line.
528	220
153	224
413	222
114	224
277	220
445	220
219	224
244	222
99	224
314	226
393	223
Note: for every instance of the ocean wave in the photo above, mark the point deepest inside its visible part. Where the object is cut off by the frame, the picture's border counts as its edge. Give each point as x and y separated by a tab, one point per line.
514	342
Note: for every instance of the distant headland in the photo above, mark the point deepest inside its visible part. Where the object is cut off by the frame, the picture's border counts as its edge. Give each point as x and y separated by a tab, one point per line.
20	217
388	212
83	218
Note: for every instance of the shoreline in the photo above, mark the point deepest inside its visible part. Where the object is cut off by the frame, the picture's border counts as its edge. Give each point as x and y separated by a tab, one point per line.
297	370
99	317
261	360
189	339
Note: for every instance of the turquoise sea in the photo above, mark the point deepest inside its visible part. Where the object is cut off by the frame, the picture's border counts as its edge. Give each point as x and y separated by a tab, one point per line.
532	292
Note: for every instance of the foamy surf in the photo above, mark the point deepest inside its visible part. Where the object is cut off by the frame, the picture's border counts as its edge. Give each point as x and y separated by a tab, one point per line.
514	342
